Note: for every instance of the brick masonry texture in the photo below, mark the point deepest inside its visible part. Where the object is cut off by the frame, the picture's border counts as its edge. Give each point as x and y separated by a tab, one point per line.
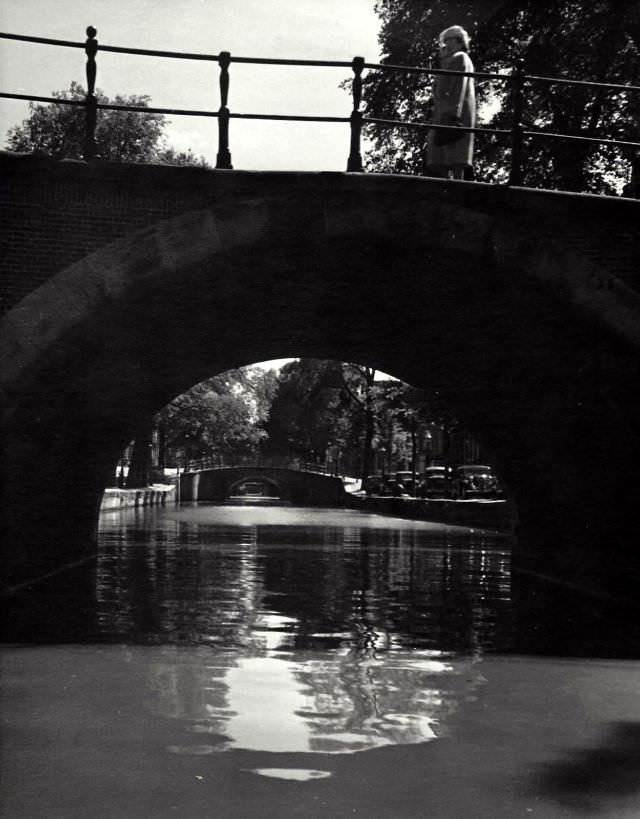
55	213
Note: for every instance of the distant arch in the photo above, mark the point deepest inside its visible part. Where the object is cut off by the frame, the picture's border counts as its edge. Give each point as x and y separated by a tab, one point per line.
239	487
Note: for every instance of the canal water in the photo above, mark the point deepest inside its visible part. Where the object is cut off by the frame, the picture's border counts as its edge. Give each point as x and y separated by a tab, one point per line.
238	661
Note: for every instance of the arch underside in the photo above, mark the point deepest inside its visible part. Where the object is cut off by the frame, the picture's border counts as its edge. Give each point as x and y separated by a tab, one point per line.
542	383
242	486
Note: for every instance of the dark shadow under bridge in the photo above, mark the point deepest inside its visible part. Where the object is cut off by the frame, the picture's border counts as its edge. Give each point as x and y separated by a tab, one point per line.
125	285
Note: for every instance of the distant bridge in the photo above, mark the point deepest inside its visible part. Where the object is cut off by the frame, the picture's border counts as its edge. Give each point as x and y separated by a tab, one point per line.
219	478
293	484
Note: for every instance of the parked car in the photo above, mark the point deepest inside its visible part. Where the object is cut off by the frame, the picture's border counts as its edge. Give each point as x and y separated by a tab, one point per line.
435	482
373	485
474	481
395	488
397	485
406	479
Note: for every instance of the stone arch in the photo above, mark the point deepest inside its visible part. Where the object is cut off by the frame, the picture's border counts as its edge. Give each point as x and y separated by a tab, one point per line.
278	491
447	295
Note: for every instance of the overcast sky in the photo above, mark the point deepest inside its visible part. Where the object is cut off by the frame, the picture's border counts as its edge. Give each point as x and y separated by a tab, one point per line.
298	29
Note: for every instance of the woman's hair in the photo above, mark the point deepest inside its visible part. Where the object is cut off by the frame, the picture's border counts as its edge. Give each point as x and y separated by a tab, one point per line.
459	33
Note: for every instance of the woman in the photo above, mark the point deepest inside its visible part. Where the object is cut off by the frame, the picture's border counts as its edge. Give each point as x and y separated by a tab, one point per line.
450	153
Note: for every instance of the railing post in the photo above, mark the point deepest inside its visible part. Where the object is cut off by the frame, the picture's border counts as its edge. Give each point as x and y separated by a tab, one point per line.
223	159
517	140
354	163
91	101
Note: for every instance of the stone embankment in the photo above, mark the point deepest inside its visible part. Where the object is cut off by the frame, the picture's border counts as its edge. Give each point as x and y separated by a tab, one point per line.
500	515
156	495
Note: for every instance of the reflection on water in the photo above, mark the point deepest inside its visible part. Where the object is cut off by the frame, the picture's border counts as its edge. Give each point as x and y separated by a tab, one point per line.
226	576
319	630
332	701
298	774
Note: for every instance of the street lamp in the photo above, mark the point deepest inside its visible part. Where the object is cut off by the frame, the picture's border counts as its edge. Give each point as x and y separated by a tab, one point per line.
428	444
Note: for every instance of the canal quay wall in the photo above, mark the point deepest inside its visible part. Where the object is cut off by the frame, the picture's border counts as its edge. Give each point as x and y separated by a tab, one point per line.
114	498
500	515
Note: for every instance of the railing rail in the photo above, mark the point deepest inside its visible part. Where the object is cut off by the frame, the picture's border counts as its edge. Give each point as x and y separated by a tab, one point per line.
516	80
256	462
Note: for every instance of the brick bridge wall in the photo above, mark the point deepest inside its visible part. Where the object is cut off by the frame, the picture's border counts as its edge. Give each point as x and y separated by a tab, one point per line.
55	213
518	309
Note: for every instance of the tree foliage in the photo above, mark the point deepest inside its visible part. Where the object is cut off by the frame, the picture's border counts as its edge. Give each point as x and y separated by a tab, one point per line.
121	136
307	414
223	415
597	42
325	410
359	384
318	411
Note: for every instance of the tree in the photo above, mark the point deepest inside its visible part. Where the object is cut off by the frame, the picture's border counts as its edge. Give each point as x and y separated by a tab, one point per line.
170	156
258	388
341	410
121	136
223	415
597	42
359	384
405	415
306	415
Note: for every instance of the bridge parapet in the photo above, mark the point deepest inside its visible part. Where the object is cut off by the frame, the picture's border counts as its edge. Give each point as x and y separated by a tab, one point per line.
513	83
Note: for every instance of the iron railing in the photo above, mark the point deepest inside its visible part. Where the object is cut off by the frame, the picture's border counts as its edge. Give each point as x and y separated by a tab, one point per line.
256	462
517	80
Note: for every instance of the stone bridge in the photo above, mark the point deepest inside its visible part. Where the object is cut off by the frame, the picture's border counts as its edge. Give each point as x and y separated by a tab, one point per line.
124	285
295	486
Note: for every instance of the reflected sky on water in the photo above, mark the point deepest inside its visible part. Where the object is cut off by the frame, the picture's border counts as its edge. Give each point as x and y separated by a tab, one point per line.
327	701
325	630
